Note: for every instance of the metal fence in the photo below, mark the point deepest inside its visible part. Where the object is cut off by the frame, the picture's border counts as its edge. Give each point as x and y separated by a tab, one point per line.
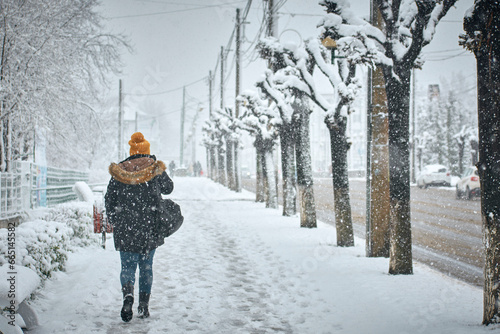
29	186
10	193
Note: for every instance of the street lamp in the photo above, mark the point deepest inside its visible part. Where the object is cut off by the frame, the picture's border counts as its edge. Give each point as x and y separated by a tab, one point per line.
331	45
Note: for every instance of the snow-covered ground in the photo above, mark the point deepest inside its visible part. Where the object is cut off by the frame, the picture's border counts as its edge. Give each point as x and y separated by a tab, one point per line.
237	267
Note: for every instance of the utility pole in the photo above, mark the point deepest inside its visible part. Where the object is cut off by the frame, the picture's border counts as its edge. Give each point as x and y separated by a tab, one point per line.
378	236
193	147
210	80
136	121
237	176
211	161
120	122
261	184
222	78
272	27
221	163
183	115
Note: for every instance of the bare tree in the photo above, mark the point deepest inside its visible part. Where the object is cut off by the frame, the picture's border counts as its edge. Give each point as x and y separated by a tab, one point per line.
54	58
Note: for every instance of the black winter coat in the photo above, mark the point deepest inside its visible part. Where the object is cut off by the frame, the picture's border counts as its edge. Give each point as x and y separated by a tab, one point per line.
131	200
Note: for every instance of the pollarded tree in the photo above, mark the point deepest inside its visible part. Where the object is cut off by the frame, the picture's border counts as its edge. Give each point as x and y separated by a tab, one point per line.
291	99
481	25
228	126
211	144
259	119
270	49
218	141
341	75
297	77
287	142
408	27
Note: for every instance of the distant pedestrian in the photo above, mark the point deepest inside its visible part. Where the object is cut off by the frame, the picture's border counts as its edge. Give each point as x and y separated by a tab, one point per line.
133	194
197	169
171	168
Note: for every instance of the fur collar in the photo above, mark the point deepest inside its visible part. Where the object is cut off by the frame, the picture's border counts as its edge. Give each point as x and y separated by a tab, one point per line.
141	176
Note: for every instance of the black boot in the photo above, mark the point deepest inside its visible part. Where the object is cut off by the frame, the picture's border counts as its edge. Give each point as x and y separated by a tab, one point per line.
143	310
128	301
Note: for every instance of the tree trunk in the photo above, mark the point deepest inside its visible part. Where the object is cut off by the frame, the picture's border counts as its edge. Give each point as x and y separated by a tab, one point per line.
451	159
237	173
483	25
259	175
288	171
213	163
461	147
340	178
270	177
230	163
208	160
488	72
398	97
304	168
221	175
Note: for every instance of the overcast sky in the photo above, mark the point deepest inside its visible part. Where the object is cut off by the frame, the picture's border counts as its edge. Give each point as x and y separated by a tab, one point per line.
178	42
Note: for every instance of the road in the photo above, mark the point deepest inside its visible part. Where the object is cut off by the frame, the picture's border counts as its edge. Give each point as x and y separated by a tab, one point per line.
446	232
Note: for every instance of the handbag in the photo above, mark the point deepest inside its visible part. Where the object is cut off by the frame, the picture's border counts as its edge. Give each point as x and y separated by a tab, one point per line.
170	218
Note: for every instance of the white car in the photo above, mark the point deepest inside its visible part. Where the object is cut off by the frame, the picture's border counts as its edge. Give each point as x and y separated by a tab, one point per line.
468	185
435	175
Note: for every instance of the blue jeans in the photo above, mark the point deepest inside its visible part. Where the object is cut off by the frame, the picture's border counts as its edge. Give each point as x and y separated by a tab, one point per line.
129	266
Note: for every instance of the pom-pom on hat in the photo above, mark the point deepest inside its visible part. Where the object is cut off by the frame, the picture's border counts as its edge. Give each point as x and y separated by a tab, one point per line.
138	145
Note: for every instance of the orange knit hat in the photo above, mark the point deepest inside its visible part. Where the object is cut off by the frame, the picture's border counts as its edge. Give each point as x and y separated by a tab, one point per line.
138	145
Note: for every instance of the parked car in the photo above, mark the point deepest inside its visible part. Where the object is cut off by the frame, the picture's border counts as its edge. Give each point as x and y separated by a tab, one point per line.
434	175
468	185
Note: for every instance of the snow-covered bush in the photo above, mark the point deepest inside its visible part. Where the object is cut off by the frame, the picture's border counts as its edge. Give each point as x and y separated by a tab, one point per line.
43	244
77	216
40	245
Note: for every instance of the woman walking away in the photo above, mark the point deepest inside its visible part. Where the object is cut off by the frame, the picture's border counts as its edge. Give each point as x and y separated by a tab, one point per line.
133	195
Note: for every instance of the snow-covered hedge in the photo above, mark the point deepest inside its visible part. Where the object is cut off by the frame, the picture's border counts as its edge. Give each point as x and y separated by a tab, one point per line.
43	244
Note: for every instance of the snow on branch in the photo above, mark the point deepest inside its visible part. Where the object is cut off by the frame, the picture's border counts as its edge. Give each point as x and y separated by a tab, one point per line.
409	25
258	118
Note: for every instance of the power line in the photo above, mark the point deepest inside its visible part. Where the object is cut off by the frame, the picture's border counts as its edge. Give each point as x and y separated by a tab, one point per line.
461	54
300	14
170	90
174	11
440	51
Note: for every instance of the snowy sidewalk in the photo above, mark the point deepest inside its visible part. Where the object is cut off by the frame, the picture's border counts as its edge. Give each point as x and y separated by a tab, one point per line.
236	267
